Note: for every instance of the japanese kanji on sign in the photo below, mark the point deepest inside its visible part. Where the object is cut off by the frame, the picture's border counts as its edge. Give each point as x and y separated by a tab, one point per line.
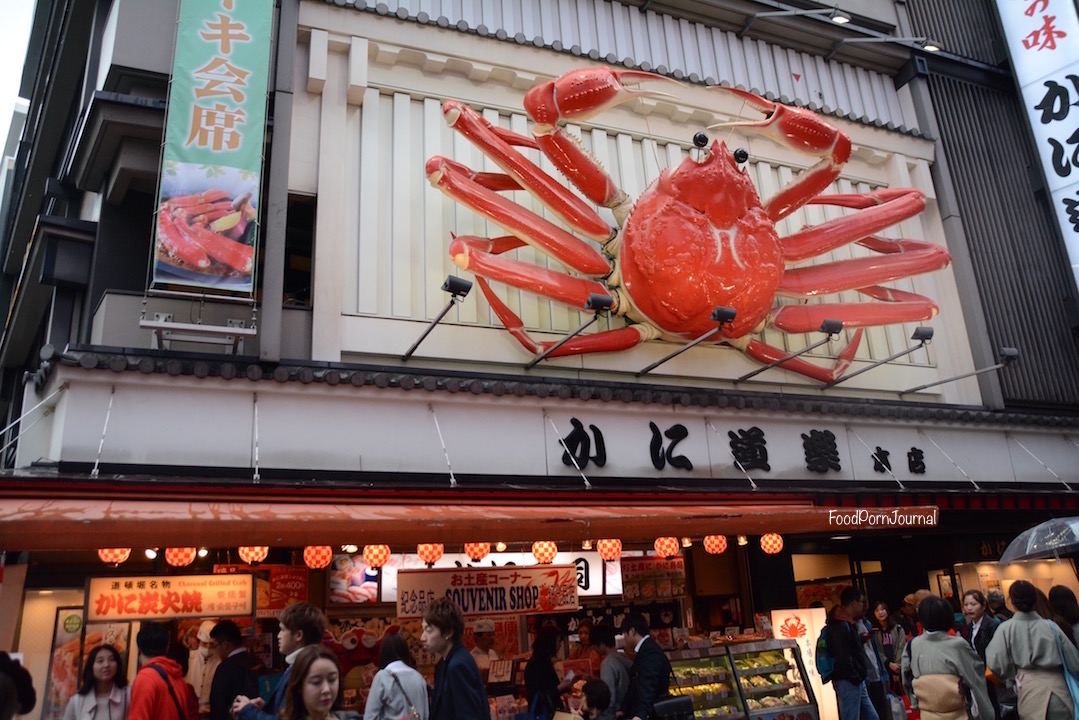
489	591
207	222
163	598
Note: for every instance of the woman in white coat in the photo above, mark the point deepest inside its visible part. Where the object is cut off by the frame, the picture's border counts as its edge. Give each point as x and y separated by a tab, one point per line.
104	694
398	690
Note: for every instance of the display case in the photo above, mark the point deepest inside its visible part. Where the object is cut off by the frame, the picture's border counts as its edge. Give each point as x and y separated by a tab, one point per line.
772	681
705	675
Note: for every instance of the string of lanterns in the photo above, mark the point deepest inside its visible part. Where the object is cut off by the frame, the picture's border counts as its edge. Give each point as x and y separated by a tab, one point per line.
318	557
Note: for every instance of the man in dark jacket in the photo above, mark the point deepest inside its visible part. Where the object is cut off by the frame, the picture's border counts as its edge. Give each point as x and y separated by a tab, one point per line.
650	675
458	693
845	645
237	673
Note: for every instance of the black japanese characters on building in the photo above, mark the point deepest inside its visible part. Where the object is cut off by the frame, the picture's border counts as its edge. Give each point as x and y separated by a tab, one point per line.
916	461
661	456
749	449
822	453
881	460
580	445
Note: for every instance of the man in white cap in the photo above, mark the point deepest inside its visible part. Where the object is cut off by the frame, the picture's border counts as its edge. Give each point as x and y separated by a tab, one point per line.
483	653
202	665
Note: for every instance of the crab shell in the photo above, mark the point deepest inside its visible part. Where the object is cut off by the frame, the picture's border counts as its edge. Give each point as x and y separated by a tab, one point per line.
698	238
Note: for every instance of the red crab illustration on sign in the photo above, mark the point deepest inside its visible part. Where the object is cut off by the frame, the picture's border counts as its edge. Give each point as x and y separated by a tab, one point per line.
792	628
697	238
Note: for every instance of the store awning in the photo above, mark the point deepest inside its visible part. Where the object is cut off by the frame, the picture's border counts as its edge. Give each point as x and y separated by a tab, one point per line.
43	524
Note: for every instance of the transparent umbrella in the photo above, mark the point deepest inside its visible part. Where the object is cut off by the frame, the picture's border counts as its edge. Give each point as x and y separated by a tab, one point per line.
1052	538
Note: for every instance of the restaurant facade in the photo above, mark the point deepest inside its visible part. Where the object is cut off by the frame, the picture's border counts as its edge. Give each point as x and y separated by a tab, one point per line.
328	374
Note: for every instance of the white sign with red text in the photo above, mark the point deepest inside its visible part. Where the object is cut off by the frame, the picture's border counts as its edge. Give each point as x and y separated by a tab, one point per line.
512	590
163	598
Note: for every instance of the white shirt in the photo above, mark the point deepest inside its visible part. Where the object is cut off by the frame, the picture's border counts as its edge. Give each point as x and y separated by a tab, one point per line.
637	647
974	628
483	659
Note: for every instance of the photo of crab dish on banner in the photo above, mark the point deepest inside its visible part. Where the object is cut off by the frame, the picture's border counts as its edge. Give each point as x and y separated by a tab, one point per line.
207	227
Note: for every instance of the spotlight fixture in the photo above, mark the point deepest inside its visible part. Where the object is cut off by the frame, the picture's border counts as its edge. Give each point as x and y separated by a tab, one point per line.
743	540
1007	356
687	542
151	553
834	14
457	288
597	303
923	43
203	552
586	544
350	549
500	546
921	334
831	328
721	315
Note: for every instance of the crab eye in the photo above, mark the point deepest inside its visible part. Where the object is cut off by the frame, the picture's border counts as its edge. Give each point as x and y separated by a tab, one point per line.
700	140
741	156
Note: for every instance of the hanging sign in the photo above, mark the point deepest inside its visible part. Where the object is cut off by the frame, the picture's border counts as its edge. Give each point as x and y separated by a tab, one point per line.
211	168
649	578
276	586
1043	42
489	590
163	598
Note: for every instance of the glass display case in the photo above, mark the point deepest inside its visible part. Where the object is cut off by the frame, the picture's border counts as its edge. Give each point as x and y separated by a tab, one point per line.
772	681
705	675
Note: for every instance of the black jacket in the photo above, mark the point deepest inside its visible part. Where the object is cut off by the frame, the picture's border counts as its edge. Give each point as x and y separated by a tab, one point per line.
845	646
236	675
649	680
985	634
459	693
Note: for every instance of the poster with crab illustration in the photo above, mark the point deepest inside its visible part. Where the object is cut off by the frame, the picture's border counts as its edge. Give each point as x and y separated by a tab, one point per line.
62	681
206	233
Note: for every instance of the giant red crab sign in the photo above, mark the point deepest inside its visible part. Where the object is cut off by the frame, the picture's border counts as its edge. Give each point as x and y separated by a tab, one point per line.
699	237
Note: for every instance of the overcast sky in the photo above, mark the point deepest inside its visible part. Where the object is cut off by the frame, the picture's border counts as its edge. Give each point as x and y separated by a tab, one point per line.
15	17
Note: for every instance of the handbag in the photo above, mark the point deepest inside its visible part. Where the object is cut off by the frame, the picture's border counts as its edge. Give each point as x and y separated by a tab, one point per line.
1070	676
413	713
675	707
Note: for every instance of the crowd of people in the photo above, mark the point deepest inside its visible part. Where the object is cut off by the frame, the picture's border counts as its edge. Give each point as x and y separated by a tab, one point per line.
980	661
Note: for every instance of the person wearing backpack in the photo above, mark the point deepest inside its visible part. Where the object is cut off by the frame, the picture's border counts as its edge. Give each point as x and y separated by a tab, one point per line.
845	645
159	691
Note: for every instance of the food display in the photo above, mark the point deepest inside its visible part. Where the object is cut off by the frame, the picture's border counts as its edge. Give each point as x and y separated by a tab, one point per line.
756	681
705	675
771	677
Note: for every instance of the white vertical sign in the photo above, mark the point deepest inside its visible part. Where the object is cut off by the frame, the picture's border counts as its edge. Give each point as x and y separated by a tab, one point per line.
1043	42
803	625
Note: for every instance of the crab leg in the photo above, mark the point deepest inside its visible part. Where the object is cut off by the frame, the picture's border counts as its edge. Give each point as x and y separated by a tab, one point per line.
765	353
606	341
798	129
541	234
877	211
494	144
899	259
899	306
580	95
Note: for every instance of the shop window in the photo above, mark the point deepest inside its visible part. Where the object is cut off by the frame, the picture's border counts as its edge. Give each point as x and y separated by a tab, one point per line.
299	247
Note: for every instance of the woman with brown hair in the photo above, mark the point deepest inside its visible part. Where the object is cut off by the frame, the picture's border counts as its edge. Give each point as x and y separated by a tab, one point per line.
314	686
104	694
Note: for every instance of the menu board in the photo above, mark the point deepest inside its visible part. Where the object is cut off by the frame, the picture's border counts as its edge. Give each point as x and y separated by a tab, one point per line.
650	578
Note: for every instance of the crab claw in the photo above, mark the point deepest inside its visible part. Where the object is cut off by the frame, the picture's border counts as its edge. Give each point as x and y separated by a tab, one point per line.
584	93
798	129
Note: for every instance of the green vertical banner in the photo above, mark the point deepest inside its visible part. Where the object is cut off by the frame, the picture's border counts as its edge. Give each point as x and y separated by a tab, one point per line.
206	233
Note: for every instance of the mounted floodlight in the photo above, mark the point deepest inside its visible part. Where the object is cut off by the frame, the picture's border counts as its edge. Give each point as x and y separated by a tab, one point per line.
831	328
721	315
1007	356
923	43
457	288
922	335
835	15
597	303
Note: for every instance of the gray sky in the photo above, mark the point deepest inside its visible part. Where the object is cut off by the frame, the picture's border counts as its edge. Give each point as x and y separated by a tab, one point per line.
15	17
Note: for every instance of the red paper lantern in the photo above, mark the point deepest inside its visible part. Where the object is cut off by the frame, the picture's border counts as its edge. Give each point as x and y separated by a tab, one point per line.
114	556
477	550
430	553
544	551
252	554
715	544
666	547
376	555
771	543
317	557
180	557
609	549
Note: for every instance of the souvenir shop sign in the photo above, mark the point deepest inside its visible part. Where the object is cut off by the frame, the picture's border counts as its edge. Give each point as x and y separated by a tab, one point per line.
1043	42
489	591
164	598
650	578
211	167
276	586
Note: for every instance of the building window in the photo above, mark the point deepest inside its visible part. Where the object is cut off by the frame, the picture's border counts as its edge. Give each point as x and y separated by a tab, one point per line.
299	243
